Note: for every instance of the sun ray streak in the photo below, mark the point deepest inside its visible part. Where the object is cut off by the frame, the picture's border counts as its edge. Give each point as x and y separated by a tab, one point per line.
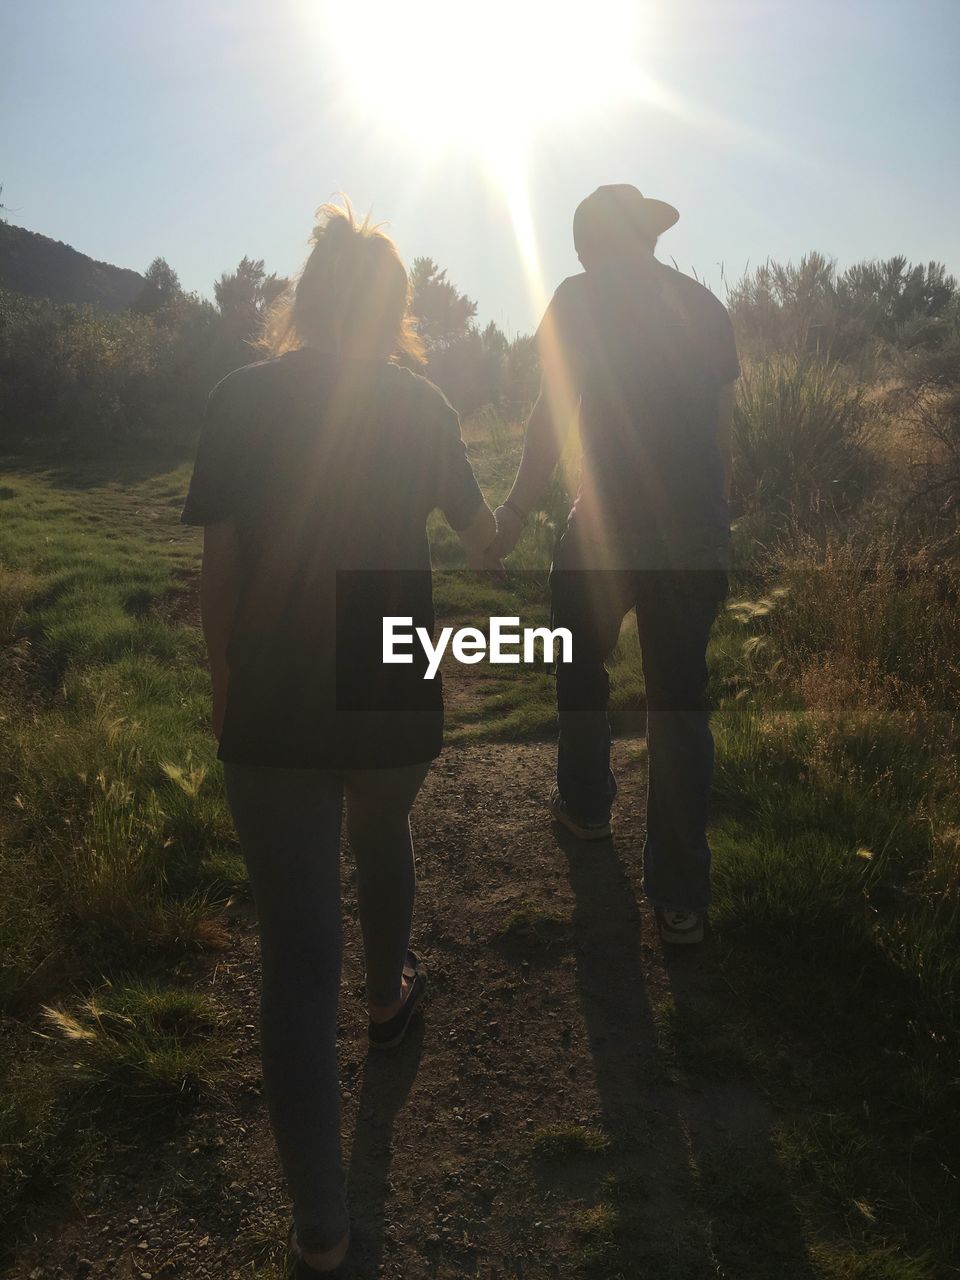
648	91
509	171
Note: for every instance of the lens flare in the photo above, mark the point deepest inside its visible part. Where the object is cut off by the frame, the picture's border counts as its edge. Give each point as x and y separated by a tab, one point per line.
485	79
476	75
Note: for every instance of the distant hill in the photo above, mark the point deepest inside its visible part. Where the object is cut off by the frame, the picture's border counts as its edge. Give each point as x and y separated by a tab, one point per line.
43	268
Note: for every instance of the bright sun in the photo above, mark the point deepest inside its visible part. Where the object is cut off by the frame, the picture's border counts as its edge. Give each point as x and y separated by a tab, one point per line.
487	78
487	74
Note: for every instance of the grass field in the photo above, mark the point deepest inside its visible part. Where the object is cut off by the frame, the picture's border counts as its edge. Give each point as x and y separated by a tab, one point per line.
827	997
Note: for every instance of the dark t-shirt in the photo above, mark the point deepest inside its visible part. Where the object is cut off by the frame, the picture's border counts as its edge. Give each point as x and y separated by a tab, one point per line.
329	472
647	349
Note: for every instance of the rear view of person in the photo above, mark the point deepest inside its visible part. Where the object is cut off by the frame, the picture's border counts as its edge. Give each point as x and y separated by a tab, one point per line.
648	357
314	477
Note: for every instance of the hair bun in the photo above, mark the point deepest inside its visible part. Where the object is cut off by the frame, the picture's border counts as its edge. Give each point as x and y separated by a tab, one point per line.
332	221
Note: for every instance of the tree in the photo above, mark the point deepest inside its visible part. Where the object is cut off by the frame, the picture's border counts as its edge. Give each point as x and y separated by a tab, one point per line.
441	313
161	287
244	295
521	376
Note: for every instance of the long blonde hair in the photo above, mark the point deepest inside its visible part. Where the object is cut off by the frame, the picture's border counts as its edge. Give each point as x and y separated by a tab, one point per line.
352	296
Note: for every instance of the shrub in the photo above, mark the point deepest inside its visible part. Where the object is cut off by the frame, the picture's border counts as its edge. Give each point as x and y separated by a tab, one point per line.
929	398
82	374
798	443
812	308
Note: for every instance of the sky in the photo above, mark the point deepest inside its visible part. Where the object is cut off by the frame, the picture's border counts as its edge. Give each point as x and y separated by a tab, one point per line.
203	130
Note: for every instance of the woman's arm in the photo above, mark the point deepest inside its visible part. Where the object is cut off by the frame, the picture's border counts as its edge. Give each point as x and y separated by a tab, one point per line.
219	583
477	537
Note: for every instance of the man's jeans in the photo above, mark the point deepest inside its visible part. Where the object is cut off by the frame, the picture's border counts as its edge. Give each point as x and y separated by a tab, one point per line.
675	609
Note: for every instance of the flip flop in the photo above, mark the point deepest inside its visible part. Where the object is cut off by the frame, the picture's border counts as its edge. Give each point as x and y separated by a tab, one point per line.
387	1035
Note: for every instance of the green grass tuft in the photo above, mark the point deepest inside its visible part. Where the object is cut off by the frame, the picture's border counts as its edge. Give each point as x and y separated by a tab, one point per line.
562	1142
142	1043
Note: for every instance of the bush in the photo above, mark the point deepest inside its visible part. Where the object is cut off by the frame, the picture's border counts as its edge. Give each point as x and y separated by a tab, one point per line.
812	308
929	401
78	373
798	443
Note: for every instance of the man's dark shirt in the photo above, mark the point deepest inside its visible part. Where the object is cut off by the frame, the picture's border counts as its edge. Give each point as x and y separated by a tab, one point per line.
647	349
329	472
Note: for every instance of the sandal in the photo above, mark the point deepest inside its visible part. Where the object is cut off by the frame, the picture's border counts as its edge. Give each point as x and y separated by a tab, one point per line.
387	1035
302	1268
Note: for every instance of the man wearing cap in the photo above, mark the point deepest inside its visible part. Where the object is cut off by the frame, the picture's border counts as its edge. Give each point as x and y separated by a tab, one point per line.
648	357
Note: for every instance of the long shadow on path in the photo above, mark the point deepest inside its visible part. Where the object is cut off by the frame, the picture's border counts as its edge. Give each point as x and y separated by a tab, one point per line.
664	1181
387	1081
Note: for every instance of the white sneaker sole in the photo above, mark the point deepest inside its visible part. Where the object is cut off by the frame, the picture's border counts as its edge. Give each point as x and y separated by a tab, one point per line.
681	937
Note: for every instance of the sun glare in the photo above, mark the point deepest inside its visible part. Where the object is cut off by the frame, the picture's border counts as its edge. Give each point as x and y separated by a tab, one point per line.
487	78
479	75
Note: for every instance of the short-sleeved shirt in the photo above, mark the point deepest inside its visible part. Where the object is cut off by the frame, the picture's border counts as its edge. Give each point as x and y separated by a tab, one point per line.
647	349
329	471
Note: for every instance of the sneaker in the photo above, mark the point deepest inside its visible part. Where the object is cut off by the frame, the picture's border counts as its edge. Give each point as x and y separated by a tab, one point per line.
582	830
680	928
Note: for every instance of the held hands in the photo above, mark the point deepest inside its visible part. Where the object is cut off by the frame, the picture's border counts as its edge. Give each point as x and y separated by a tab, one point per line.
491	536
509	528
486	561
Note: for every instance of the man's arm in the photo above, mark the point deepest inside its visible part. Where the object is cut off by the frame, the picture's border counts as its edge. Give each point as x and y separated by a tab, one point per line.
477	539
219	581
547	429
726	399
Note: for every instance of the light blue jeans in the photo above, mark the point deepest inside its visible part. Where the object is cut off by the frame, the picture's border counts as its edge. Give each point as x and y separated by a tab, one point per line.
288	821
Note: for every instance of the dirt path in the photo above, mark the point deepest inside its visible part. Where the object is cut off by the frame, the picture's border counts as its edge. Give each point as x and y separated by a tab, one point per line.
550	1005
548	1029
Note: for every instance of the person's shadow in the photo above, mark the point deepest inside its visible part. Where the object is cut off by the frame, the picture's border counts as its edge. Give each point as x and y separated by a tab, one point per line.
668	1218
610	979
387	1080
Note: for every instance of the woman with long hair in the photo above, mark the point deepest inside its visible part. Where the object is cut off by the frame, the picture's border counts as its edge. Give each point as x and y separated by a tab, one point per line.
315	474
